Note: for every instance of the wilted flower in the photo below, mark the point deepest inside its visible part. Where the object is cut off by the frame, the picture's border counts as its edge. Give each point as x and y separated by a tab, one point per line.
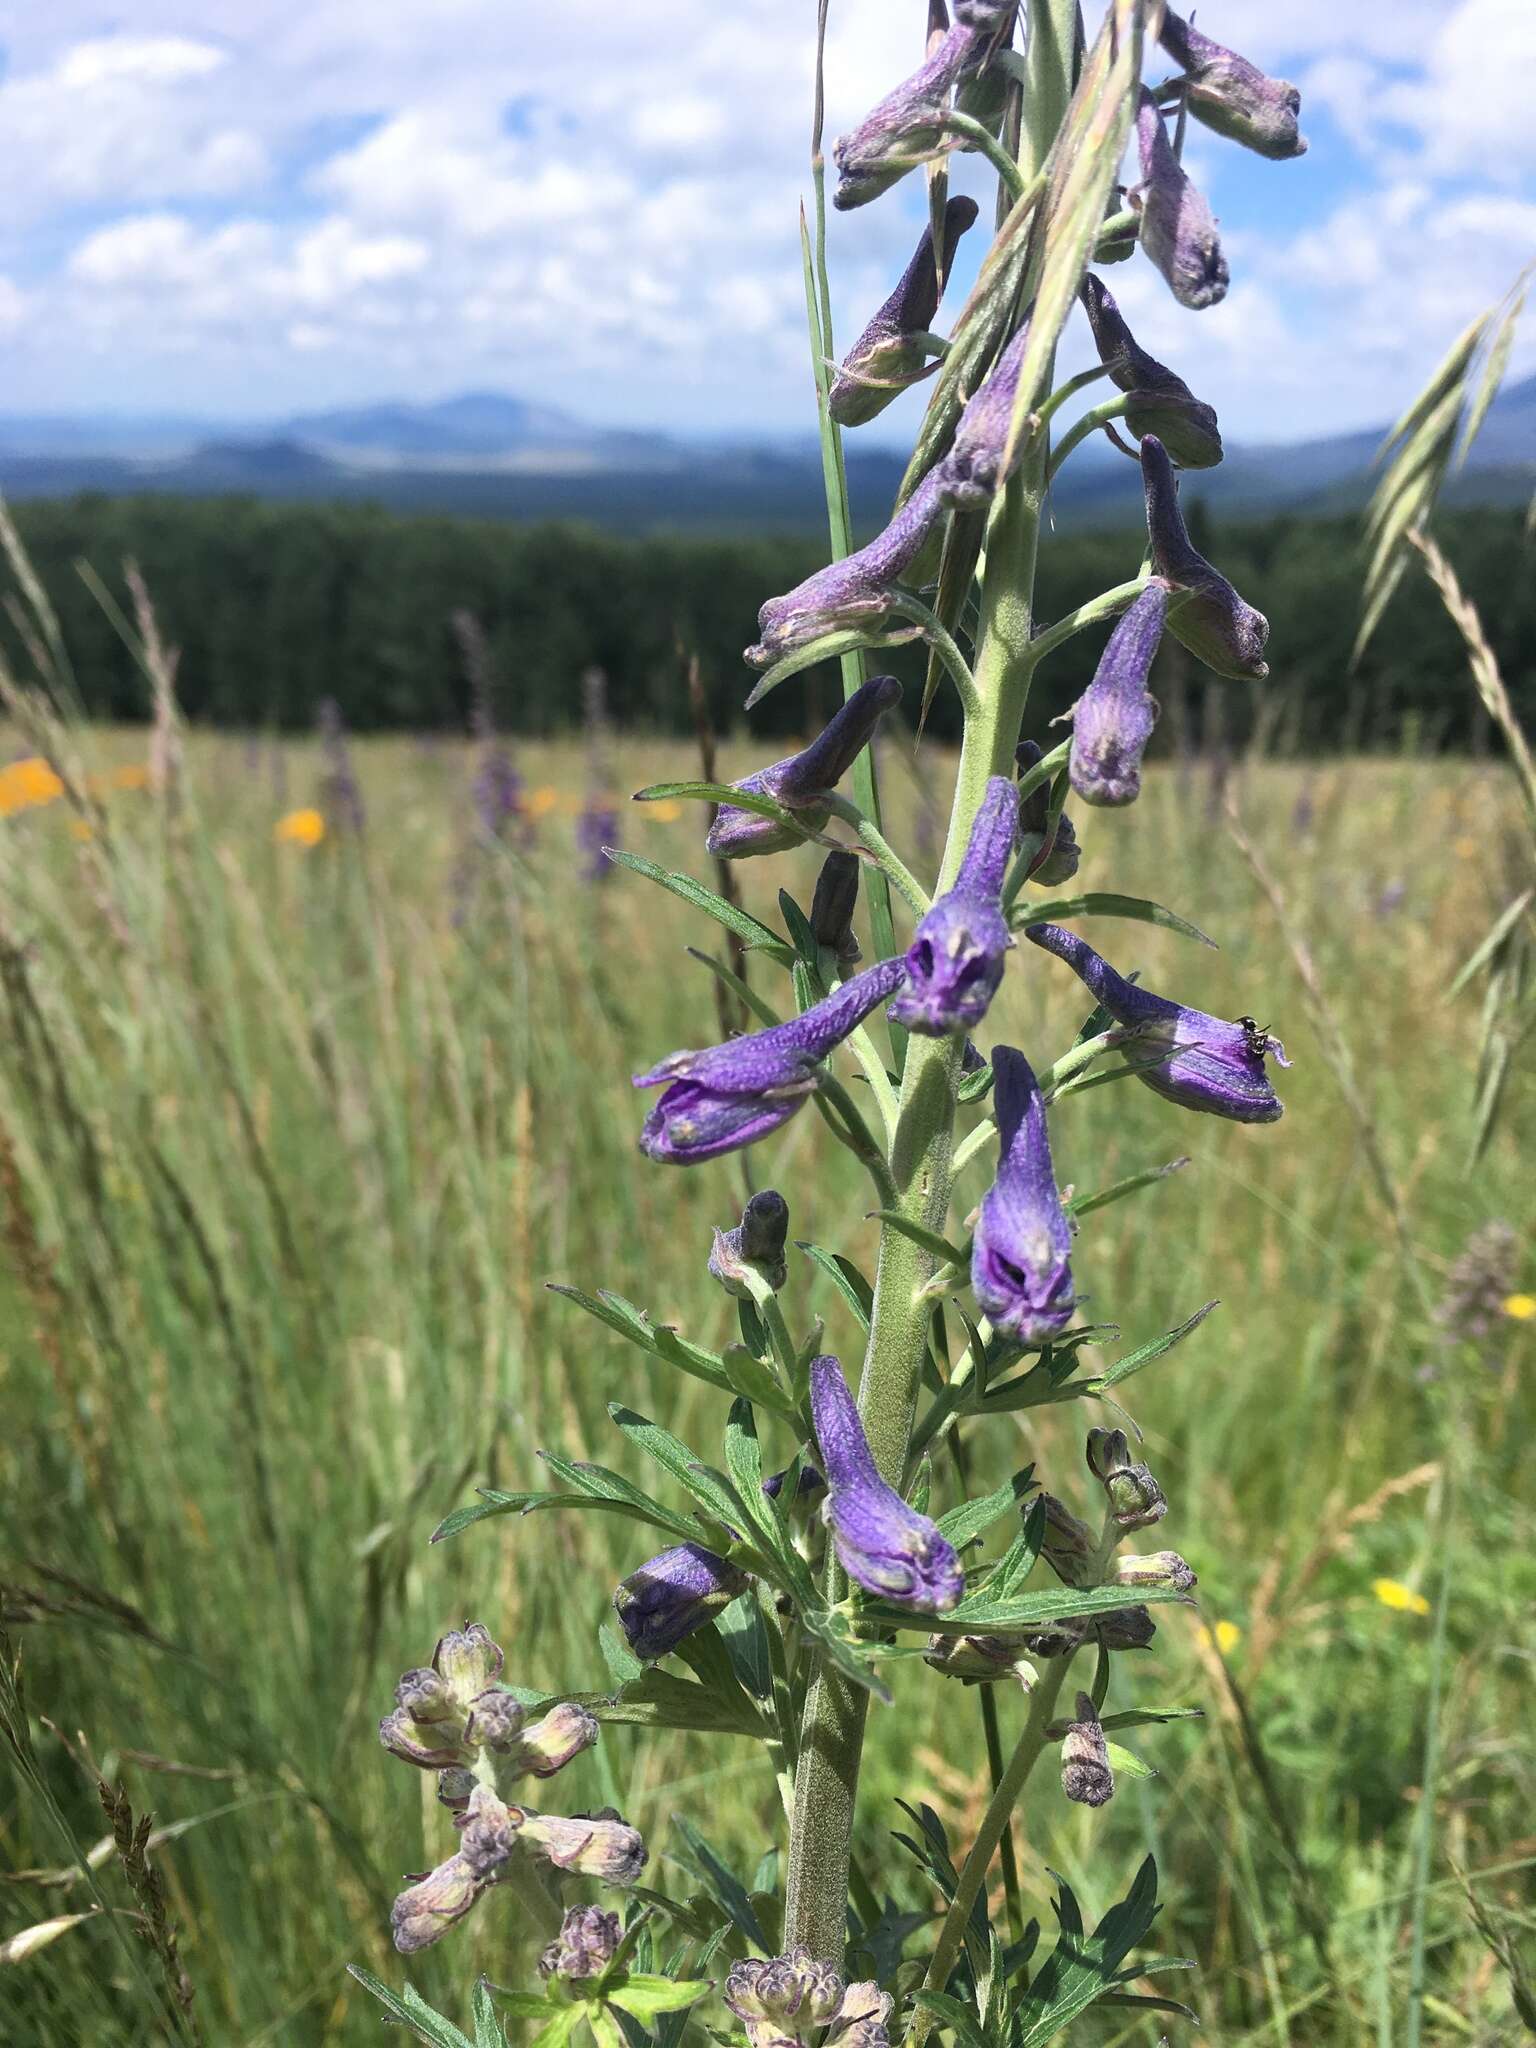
1055	860
1160	1568
888	355
782	1996
833	904
1215	624
1113	719
908	124
1021	1269
488	1838
1069	1546
1158	401
1125	1628
881	1542
1135	1498
972	472
1178	229
556	1739
1231	95
955	961
857	591
756	1242
730	1095
586	1944
981	1660
1085	1773
593	1845
803	782
671	1595
1194	1059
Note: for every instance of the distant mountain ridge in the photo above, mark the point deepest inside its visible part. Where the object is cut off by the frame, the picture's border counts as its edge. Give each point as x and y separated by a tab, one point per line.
492	453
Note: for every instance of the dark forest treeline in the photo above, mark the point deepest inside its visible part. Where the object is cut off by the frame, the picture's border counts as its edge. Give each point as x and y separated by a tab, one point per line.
276	606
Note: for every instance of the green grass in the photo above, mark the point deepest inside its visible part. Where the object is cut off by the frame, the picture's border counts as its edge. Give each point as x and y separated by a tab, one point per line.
291	1159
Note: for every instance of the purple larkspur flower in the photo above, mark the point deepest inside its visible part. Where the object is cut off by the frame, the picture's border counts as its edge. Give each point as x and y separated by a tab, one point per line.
1178	229
855	592
955	961
730	1095
1232	96
883	1544
1158	401
833	904
908	124
756	1242
1056	859
671	1595
972	472
888	356
802	782
1086	1776
1214	623
341	794
1021	1269
597	829
1113	719
1192	1058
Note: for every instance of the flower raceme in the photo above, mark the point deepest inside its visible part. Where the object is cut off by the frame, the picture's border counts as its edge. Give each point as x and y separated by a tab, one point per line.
1178	229
857	591
730	1095
1194	1059
1113	719
1021	1270
1157	400
888	355
955	961
1214	623
884	1545
671	1595
1231	95
803	782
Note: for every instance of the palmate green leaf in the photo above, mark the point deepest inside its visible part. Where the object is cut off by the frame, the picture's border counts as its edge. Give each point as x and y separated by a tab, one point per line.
963	1524
724	1887
845	1277
646	1997
1105	903
560	2029
660	1699
1082	1968
412	2010
522	2005
755	936
1125	1763
981	1613
1143	1357
1018	1560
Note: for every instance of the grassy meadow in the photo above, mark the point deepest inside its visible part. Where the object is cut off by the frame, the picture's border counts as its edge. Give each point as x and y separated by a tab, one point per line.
291	1136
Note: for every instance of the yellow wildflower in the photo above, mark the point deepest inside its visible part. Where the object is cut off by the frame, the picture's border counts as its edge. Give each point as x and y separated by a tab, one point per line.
300	828
542	801
131	775
1226	1636
664	811
26	784
82	829
1393	1593
1466	848
1520	1306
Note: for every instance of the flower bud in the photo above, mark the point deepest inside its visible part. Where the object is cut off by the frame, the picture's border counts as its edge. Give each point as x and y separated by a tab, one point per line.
887	355
861	2018
1157	400
593	1845
1085	1773
495	1721
1215	624
1134	1496
857	591
425	1911
1057	862
1126	1628
803	782
488	1832
981	1660
1021	1270
908	124
427	1699
1055	1638
586	1944
430	1747
455	1787
833	905
1157	1568
972	472
671	1595
556	1739
1178	229
1069	1546
468	1661
756	1245
789	1994
1232	96
1113	719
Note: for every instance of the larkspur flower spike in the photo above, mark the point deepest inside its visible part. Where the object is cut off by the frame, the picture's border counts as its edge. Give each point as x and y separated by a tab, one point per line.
956	958
757	1243
1232	96
1178	229
1214	623
887	355
1194	1059
855	592
884	1545
1158	401
671	1595
1113	719
803	781
726	1096
1021	1270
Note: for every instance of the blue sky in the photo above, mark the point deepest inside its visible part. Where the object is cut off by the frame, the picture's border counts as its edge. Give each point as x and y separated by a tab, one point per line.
248	207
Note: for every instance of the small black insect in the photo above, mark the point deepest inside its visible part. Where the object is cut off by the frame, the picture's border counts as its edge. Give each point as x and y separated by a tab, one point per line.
1256	1038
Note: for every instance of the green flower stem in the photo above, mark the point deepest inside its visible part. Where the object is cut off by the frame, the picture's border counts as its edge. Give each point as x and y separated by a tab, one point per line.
1096	416
1035	1738
943	644
981	138
850	1127
1107	605
885	854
